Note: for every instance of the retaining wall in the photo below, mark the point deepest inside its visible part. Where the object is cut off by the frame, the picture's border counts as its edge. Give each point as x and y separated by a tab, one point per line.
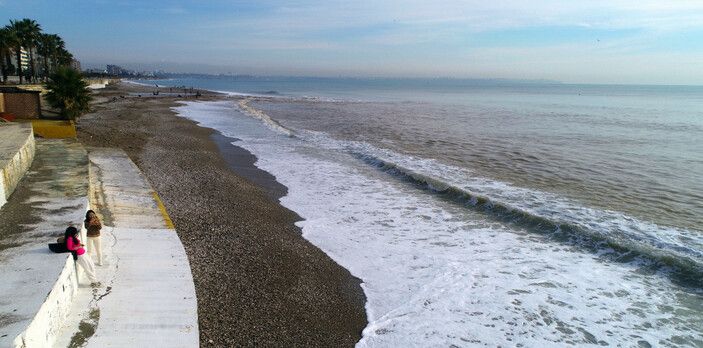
14	168
46	325
44	328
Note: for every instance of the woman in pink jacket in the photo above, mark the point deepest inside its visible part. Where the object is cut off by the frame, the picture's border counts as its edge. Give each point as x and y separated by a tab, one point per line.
74	244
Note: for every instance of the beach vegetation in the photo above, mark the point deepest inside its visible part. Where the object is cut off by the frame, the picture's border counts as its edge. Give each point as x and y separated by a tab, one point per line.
52	49
4	52
24	33
6	44
44	52
9	42
68	92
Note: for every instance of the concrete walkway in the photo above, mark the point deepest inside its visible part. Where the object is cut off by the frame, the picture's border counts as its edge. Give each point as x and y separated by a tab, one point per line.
147	298
37	285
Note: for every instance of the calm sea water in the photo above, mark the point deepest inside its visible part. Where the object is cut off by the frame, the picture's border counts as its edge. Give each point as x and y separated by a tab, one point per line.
491	212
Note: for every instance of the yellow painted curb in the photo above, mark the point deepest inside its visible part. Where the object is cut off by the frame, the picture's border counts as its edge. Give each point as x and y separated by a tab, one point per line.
51	129
162	208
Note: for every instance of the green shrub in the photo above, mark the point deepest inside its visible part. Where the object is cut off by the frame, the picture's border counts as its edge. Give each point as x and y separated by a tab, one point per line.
68	92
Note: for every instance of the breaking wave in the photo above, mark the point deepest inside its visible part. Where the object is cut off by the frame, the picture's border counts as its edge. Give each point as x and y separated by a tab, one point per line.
610	234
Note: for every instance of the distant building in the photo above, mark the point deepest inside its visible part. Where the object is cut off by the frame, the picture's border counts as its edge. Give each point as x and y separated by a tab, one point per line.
24	59
95	71
116	70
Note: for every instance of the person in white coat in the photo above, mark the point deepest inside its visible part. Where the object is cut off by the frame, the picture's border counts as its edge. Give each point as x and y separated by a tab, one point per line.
93	226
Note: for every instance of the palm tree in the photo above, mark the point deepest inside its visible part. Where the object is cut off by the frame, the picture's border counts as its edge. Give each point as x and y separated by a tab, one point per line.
15	42
59	52
6	43
48	46
68	92
28	31
64	57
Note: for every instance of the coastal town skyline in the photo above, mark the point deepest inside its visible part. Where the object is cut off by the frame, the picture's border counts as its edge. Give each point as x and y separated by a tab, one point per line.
597	42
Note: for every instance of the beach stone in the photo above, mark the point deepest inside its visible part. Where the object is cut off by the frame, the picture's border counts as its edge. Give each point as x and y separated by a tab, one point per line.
258	281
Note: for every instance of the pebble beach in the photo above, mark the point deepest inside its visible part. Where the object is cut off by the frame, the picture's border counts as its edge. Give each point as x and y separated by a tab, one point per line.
258	281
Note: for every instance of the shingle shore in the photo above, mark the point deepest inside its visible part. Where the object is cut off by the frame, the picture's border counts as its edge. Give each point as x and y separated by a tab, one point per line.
258	281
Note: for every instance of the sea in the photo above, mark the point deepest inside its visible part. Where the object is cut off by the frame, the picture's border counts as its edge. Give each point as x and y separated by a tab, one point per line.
489	212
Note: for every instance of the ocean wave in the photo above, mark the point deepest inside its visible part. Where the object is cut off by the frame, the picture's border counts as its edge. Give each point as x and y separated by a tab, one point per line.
266	119
595	228
610	234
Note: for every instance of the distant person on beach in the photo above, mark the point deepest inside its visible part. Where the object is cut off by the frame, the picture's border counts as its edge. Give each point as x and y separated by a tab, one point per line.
93	226
74	244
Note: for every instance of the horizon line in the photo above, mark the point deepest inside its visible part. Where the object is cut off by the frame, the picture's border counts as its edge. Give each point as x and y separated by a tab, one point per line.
503	79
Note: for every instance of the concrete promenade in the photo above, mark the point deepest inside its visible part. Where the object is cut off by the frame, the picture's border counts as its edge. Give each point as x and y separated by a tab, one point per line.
37	285
147	297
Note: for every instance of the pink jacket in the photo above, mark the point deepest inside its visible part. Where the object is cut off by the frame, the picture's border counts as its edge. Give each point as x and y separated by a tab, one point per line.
70	245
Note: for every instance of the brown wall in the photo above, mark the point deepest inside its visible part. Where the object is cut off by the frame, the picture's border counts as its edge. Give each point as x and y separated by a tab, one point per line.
2	103
22	105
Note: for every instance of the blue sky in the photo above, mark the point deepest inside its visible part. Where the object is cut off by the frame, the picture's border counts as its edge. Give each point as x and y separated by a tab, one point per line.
595	41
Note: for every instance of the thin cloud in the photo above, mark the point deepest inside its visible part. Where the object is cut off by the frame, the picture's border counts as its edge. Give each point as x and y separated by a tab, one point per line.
556	39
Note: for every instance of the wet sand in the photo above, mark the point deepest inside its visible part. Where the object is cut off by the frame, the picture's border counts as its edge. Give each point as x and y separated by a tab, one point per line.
257	280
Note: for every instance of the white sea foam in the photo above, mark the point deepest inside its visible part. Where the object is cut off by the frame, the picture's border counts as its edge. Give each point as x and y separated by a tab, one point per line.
244	106
437	274
136	82
612	226
234	94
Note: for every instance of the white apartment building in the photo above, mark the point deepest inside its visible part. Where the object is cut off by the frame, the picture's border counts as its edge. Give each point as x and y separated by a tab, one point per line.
24	58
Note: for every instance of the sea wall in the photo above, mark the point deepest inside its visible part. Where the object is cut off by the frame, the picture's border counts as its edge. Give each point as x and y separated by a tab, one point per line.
43	329
46	325
16	158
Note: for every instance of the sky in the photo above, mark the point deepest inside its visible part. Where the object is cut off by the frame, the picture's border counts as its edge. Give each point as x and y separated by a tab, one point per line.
614	41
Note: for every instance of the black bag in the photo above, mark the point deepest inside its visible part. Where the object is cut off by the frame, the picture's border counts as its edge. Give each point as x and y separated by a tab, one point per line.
60	248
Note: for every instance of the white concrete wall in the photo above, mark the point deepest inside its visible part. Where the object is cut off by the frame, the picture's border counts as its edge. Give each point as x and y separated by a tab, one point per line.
43	329
46	325
14	169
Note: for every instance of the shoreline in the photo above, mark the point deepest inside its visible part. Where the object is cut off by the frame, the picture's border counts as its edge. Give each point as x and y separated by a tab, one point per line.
242	162
259	283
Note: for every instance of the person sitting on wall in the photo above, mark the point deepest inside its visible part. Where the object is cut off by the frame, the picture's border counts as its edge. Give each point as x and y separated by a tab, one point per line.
83	260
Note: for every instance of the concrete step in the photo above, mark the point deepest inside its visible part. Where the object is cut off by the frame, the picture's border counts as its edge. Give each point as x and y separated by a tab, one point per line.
38	286
120	190
16	155
147	297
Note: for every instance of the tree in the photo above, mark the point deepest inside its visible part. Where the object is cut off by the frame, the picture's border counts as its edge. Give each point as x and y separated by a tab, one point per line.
28	32
48	47
64	58
68	92
15	42
60	55
6	42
